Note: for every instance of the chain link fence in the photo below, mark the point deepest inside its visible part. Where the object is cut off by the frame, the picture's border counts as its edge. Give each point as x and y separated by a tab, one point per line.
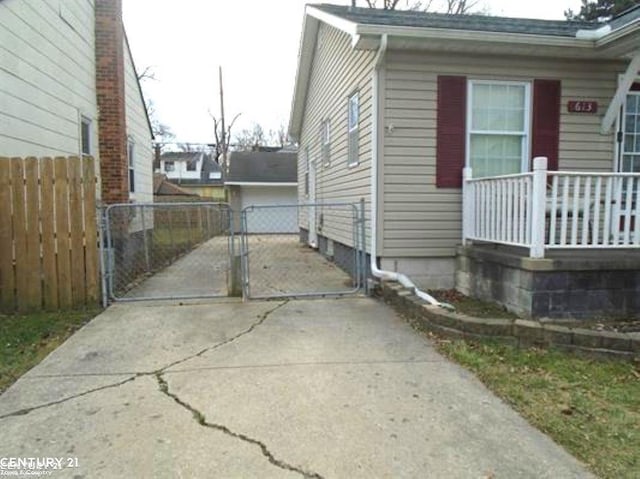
167	250
281	259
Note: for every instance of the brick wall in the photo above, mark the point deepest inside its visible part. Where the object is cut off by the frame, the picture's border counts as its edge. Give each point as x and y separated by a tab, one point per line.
110	86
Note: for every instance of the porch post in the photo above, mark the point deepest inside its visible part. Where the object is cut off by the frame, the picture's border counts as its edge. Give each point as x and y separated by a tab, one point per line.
468	211
538	207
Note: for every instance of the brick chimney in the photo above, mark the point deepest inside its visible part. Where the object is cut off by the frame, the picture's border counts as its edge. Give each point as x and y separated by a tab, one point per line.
110	86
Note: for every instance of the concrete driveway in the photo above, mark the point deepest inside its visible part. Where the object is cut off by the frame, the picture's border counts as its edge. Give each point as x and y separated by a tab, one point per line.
338	388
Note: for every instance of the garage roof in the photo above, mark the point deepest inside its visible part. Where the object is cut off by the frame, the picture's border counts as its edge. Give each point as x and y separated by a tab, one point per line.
263	167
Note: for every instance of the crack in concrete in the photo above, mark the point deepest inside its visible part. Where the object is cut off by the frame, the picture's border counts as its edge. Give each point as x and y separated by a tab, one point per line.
135	375
261	319
25	411
202	421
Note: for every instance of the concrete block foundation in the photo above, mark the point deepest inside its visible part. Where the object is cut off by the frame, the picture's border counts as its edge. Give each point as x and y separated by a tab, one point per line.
567	285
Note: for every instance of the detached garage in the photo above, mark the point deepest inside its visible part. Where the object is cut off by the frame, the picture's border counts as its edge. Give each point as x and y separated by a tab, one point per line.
264	178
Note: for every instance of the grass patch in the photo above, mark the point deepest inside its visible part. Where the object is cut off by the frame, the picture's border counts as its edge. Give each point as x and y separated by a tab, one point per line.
590	407
26	339
472	307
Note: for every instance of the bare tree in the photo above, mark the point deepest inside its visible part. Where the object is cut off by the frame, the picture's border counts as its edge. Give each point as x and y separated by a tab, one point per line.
147	74
222	143
454	7
386	4
250	138
256	136
280	136
161	131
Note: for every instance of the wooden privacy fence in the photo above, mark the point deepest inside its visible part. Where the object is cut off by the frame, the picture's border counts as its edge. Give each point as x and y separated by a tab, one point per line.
48	234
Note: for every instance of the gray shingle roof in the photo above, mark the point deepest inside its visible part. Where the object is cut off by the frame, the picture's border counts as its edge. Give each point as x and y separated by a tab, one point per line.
263	167
625	17
482	23
211	172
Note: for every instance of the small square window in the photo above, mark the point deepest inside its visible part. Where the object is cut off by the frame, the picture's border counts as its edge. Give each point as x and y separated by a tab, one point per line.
85	136
169	166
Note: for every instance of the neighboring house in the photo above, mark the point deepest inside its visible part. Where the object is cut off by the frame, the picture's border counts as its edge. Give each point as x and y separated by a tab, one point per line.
68	87
195	172
165	191
264	178
395	104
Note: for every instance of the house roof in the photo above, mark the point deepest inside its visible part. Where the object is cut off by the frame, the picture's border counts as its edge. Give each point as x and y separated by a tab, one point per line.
369	29
263	167
163	187
210	173
135	71
481	23
180	155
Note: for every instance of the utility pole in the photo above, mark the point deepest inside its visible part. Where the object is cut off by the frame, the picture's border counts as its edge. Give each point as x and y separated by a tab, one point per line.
223	135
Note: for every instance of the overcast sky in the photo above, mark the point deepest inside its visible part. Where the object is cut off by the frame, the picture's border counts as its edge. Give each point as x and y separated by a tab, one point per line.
255	42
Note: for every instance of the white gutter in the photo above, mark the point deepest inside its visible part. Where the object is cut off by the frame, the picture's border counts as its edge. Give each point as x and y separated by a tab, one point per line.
596	34
375	270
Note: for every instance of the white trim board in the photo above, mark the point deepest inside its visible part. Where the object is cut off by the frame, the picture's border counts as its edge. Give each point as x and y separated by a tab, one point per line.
259	183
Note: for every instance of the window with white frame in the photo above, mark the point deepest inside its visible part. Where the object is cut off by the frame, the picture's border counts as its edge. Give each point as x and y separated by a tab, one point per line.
630	154
325	141
352	128
498	127
169	166
131	161
85	136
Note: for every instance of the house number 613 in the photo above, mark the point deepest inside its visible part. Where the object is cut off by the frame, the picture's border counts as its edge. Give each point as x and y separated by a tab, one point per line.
582	107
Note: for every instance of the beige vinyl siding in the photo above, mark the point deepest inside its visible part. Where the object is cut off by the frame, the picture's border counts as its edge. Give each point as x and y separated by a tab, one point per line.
138	129
47	76
336	73
420	220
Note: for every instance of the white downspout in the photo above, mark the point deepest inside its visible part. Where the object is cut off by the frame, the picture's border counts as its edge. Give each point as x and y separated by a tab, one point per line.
375	270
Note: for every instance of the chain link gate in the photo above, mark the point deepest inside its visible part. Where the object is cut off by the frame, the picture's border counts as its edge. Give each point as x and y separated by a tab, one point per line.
167	250
281	259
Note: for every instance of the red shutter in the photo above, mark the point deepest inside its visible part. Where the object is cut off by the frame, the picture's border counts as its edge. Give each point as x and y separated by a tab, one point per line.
451	134
545	139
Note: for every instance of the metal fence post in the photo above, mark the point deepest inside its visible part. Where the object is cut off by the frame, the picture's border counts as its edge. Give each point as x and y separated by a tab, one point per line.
144	240
363	246
244	253
102	225
355	218
171	241
110	256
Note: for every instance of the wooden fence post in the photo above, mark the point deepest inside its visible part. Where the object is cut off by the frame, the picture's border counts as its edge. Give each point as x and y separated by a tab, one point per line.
468	220
90	231
7	274
539	204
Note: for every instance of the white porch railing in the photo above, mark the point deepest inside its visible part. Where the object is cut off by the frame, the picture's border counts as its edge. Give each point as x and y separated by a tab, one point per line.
553	209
